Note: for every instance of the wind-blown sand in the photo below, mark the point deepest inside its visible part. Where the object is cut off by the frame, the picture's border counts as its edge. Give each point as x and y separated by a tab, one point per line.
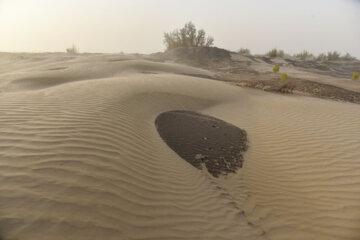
80	156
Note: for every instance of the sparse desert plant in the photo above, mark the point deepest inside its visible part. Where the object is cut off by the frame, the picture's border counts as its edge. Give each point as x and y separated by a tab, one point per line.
304	55
284	76
281	53
321	57
275	53
72	50
355	76
348	57
272	53
187	36
276	68
244	51
333	56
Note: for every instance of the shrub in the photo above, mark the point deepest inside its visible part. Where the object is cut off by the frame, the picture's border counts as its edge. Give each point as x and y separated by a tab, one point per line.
72	50
244	51
348	57
276	68
284	76
321	57
275	53
187	37
355	75
333	56
304	55
281	53
272	53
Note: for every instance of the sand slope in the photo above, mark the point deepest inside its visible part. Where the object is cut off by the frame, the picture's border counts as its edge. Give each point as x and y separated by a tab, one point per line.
80	157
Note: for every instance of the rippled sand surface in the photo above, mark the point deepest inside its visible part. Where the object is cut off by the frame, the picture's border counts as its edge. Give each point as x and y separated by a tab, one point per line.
80	157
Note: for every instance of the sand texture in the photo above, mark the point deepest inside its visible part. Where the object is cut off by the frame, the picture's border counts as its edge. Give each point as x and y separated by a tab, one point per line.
81	158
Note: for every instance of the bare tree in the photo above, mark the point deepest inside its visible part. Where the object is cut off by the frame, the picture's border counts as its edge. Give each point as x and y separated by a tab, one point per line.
187	37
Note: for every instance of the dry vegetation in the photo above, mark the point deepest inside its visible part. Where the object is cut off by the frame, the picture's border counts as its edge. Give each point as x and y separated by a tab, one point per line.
189	46
304	55
244	51
72	50
187	36
275	53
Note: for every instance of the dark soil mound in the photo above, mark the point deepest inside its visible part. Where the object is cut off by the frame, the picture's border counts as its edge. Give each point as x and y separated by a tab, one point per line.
203	140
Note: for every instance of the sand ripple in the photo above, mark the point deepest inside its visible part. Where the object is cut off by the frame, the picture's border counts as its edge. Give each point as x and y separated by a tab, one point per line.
83	160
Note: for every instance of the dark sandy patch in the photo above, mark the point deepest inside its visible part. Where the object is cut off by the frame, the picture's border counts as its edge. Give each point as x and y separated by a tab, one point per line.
203	140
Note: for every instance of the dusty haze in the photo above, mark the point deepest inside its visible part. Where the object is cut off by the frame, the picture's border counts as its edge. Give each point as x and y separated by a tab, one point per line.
138	26
83	155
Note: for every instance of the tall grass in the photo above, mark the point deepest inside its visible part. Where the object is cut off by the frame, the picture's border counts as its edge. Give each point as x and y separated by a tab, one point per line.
334	56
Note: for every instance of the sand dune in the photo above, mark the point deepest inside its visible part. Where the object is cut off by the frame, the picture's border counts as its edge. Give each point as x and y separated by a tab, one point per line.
80	156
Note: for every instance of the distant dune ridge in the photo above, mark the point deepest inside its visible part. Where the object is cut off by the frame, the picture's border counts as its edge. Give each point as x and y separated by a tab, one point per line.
81	158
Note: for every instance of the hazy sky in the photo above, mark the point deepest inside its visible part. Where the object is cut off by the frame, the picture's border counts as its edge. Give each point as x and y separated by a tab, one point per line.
138	25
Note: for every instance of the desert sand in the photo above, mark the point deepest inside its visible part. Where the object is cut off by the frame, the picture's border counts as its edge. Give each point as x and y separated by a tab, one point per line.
81	158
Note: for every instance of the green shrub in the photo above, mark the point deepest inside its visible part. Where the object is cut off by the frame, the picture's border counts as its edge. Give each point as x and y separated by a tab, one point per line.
275	53
244	51
276	68
284	76
304	55
355	75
